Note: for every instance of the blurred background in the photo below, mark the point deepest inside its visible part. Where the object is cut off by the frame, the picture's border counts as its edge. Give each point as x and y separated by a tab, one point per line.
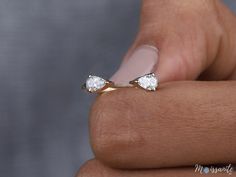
47	50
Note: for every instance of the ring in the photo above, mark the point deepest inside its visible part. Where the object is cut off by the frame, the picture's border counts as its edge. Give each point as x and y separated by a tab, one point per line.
95	84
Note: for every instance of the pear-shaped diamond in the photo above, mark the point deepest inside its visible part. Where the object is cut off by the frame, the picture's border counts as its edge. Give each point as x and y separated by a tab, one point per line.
148	82
95	83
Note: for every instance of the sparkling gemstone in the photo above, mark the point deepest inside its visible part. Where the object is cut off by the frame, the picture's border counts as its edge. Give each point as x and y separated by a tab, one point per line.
94	83
148	82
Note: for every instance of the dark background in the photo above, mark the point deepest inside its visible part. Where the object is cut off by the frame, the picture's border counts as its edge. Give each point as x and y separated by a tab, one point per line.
47	49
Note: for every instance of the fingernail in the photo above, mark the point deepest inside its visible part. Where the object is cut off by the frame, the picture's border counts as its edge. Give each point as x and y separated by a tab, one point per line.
142	61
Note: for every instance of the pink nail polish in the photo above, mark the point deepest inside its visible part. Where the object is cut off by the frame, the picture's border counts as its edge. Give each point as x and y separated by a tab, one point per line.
143	61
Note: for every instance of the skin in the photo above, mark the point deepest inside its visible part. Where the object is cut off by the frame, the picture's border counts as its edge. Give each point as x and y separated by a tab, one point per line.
184	122
197	126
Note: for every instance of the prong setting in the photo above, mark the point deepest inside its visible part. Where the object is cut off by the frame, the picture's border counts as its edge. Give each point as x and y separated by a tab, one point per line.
147	82
94	84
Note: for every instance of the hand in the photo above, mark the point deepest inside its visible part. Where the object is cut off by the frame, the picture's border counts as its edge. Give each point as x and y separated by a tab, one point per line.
186	122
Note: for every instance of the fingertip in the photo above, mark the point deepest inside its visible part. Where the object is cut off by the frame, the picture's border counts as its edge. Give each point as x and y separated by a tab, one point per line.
112	131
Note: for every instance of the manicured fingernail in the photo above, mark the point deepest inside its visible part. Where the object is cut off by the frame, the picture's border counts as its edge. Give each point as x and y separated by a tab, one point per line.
142	61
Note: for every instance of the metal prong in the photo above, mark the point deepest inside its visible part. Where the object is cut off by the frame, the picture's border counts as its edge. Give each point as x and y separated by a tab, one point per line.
134	81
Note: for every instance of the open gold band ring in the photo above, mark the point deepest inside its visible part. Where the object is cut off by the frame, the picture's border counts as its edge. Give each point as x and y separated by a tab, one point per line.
95	84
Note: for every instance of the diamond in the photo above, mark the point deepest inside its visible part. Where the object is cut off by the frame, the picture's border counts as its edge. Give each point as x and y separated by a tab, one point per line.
95	83
148	82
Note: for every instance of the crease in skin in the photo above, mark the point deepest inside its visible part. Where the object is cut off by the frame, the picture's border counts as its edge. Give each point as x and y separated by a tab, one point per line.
232	76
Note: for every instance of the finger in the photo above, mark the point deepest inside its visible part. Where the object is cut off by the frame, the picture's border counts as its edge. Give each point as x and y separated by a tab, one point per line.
96	169
183	123
193	38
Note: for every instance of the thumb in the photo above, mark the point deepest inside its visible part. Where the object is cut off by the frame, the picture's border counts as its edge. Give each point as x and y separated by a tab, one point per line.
184	45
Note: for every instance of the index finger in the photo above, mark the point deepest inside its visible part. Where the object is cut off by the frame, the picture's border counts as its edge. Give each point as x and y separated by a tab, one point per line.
181	124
